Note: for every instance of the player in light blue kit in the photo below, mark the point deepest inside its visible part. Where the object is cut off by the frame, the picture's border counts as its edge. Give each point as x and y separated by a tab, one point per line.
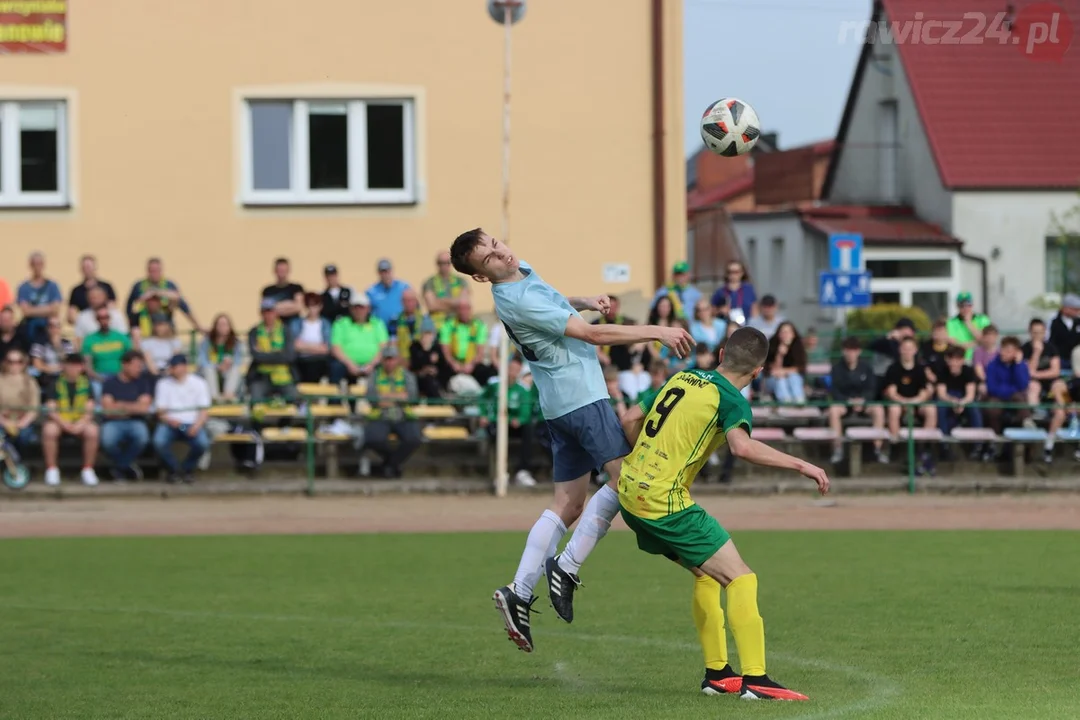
585	432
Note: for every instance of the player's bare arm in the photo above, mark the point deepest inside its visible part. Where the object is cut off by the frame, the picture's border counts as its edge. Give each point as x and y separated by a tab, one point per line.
677	339
599	303
746	448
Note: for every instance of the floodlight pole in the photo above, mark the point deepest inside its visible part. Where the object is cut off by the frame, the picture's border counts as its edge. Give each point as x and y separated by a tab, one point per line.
502	429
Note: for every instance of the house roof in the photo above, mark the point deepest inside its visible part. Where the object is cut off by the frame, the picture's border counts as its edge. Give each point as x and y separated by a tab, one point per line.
742	183
962	90
882	225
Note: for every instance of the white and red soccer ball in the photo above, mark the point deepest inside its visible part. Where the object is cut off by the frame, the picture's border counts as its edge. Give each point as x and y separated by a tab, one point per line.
730	127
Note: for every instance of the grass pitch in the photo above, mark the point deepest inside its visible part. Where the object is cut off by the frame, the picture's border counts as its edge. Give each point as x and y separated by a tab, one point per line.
869	624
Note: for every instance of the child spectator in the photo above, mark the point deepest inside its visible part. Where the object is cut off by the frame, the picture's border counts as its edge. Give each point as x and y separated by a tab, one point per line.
706	328
704	358
985	351
312	340
853	386
1007	381
221	360
785	366
519	414
957	389
908	387
1044	364
932	351
618	400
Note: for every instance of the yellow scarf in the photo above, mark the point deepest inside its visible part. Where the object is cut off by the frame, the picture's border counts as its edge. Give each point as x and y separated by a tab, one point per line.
673	292
145	285
217	353
475	326
407	331
443	289
273	341
69	407
391	387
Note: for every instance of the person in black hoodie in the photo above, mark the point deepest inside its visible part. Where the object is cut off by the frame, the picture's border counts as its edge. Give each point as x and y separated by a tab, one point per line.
932	351
887	348
853	385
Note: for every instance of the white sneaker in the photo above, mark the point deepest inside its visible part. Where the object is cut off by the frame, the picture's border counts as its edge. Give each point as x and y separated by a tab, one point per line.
89	477
52	477
365	466
524	478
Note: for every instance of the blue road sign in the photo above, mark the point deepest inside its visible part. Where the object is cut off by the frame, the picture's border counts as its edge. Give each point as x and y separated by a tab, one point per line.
845	253
844	290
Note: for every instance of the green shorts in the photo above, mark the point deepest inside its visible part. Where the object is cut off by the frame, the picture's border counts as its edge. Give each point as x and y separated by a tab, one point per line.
690	536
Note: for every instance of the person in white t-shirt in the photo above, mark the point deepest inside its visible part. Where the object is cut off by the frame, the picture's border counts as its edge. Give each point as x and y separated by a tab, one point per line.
182	400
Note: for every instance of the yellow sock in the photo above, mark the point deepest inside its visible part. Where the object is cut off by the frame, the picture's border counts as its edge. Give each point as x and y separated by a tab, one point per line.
709	618
746	624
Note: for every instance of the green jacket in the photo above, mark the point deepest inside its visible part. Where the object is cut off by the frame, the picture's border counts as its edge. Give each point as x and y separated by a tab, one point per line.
959	333
519	403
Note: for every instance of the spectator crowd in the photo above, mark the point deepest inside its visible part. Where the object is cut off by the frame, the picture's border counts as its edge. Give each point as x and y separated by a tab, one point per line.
63	362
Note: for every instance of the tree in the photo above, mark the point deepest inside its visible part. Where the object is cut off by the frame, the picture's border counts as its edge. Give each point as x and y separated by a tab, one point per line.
1065	239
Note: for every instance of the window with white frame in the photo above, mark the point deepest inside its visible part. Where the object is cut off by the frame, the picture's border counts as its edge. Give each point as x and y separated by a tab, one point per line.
33	154
347	152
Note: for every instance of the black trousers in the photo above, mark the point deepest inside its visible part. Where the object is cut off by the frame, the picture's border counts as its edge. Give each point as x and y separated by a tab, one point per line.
377	437
527	434
312	369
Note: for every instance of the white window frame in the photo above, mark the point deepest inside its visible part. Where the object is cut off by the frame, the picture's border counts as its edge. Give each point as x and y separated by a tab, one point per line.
11	194
299	165
907	287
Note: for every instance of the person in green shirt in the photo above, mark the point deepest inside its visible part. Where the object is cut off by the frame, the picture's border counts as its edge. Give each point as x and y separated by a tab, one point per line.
966	327
464	343
519	414
103	350
357	342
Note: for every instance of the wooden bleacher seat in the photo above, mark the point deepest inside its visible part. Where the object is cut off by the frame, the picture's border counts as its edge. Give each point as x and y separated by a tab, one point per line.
359	389
228	411
329	411
1066	436
446	432
770	434
759	413
288	434
232	438
818	368
433	412
799	413
814	434
1025	435
922	434
274	411
965	435
317	390
866	434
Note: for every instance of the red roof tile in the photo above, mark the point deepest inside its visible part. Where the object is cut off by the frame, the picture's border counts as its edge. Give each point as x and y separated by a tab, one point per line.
995	116
699	199
880	225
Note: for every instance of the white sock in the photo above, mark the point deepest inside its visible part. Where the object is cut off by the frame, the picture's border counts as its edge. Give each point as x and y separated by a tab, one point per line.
543	539
1049	444
594	524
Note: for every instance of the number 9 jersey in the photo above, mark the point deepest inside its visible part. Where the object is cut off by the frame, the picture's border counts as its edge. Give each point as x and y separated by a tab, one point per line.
685	422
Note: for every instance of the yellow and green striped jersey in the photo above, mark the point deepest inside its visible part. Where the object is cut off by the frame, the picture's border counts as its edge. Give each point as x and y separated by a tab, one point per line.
685	422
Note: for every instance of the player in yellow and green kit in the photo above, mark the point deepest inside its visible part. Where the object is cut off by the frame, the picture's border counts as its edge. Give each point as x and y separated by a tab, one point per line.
677	429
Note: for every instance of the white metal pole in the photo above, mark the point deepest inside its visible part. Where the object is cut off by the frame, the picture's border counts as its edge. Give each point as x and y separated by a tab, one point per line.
502	475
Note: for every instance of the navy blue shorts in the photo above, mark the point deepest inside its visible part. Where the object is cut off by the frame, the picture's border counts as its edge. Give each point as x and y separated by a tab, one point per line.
584	439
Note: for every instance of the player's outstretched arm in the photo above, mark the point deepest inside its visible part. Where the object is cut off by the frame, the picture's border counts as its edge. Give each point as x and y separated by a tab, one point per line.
745	447
599	303
678	339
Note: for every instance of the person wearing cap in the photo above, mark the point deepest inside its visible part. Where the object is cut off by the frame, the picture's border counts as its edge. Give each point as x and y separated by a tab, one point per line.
288	295
464	343
386	294
126	398
336	298
270	345
442	290
768	319
427	363
853	385
356	342
1065	331
965	328
182	400
391	390
312	333
69	403
684	296
410	324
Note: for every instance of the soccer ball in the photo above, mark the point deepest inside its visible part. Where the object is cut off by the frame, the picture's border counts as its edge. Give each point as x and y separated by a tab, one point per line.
730	127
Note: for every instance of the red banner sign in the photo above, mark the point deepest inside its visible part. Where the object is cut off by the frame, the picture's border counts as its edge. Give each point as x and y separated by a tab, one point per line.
33	26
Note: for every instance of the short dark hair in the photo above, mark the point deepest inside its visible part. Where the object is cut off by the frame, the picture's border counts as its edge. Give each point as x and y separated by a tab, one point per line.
701	349
939	325
1036	321
909	339
657	366
463	246
991	328
1011	340
745	351
768	300
851	343
281	261
131	355
955	351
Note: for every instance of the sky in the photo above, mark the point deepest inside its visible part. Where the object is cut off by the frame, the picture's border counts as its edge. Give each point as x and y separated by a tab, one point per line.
784	57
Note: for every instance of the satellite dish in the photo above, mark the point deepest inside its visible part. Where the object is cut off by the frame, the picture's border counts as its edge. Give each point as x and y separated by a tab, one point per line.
497	10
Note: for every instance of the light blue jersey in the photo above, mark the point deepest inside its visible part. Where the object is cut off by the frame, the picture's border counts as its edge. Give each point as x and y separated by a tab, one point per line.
566	370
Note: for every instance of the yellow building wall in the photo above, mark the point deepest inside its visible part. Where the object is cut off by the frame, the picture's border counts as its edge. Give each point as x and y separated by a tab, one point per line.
155	96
